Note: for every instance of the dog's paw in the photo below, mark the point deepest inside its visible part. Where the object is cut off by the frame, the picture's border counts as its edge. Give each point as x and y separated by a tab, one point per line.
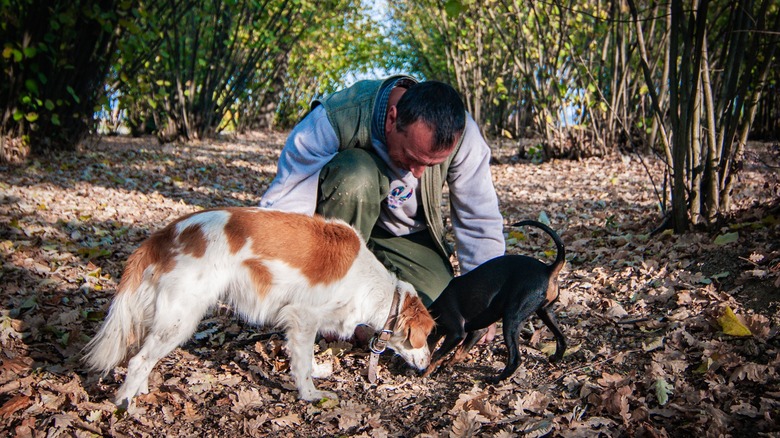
317	395
492	380
123	403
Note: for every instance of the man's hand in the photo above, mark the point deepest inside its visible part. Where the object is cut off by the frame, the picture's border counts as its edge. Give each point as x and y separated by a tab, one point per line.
490	335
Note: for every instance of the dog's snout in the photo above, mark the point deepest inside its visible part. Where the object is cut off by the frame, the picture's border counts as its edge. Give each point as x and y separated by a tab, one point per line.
422	359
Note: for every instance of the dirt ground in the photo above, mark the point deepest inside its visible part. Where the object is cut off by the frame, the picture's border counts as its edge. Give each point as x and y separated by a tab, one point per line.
653	322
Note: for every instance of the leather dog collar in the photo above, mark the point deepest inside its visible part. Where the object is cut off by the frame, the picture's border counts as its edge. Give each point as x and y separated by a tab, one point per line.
378	342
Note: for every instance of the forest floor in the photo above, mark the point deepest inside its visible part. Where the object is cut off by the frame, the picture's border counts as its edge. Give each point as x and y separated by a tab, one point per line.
654	349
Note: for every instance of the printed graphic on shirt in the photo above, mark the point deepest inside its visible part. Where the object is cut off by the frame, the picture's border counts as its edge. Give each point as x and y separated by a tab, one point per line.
397	197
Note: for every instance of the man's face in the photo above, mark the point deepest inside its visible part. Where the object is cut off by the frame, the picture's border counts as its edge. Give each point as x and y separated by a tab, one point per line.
412	149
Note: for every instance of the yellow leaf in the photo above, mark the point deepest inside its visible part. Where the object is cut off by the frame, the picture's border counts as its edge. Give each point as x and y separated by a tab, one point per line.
548	348
654	344
327	403
731	325
704	367
517	235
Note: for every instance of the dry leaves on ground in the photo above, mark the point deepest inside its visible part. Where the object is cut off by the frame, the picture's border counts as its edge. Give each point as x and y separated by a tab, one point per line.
669	335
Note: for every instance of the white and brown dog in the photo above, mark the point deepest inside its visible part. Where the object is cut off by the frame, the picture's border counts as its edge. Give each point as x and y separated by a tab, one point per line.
304	274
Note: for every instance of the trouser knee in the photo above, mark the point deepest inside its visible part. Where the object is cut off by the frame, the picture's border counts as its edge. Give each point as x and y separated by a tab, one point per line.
351	187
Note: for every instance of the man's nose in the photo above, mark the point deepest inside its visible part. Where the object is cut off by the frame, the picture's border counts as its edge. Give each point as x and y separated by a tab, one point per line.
417	169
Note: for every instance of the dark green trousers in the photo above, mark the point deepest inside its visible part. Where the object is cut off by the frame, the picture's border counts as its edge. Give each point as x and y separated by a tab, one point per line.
352	187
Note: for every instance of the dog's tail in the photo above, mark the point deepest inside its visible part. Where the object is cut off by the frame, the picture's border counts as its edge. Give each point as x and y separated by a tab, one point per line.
132	310
560	259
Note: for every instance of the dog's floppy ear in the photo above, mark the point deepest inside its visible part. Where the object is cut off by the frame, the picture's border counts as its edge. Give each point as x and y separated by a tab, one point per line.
415	321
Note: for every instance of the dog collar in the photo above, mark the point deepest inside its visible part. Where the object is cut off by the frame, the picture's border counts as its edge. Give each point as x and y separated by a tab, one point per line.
378	342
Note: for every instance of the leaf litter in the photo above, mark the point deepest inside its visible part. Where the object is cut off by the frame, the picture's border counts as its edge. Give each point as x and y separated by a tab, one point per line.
668	335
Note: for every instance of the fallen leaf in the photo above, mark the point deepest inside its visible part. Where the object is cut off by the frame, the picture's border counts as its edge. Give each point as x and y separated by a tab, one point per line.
725	239
191	412
731	325
754	372
759	325
349	419
287	420
654	344
746	409
662	391
63	421
608	379
616	311
704	366
549	348
15	404
543	218
465	425
16	366
245	400
328	403
534	401
537	429
504	433
616	401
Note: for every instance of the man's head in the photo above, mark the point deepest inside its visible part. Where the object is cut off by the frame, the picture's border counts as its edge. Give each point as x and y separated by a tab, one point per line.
424	126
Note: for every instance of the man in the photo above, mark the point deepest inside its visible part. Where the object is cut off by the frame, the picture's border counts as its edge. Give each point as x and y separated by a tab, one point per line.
377	155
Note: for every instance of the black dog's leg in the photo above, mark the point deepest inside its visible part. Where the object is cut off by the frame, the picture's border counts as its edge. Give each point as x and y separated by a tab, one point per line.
435	337
513	317
463	349
511	334
451	340
560	342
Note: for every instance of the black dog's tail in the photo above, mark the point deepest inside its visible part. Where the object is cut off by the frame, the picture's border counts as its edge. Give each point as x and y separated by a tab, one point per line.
560	259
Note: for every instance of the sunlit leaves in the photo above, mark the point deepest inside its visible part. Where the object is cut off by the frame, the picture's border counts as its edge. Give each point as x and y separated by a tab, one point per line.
645	349
453	7
340	45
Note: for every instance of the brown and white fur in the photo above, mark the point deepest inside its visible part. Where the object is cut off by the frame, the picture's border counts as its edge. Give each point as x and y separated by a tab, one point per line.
304	274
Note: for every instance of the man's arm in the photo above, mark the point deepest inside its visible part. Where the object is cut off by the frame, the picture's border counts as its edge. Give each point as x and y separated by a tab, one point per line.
309	147
476	218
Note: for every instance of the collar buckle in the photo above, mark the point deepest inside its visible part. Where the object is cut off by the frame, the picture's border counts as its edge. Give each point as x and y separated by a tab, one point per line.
378	344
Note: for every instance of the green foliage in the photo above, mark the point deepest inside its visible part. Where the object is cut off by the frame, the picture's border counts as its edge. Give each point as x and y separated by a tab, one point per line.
342	44
513	61
197	67
55	55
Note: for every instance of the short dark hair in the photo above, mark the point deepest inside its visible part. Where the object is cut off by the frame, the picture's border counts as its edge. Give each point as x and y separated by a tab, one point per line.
436	104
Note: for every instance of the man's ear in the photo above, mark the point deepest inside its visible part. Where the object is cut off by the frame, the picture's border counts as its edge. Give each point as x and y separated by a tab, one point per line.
390	119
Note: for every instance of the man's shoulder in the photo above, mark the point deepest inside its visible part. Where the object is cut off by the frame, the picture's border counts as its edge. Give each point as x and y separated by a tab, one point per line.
362	91
472	135
356	95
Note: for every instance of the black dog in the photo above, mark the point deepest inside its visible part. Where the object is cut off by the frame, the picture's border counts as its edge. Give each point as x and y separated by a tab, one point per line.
509	287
